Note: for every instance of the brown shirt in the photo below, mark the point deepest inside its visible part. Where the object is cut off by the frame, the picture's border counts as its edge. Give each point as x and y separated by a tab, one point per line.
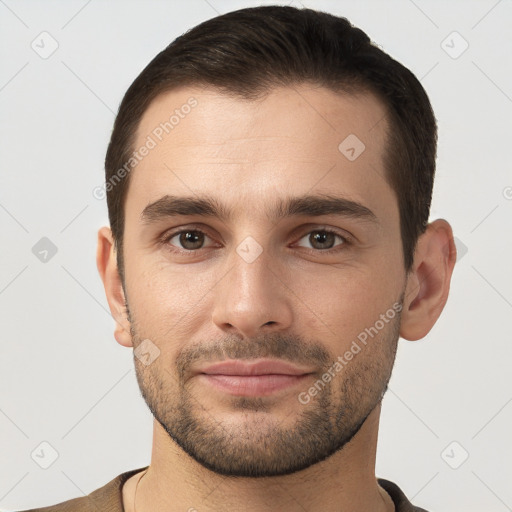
109	498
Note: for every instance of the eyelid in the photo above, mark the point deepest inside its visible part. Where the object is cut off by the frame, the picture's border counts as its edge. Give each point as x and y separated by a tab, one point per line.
346	237
309	228
305	230
168	235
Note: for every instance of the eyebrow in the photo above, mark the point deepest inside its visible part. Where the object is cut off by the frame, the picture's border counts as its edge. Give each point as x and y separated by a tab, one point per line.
307	205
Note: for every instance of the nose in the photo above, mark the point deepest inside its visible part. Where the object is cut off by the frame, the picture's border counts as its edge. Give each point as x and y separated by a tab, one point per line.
253	298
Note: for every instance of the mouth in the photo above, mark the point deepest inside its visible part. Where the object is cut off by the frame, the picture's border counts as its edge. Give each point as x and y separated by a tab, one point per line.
252	378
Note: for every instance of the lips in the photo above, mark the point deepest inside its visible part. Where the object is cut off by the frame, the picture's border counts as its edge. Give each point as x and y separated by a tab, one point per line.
252	378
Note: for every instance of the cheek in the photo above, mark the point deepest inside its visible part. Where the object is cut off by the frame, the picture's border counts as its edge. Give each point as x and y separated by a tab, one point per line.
166	303
151	292
340	303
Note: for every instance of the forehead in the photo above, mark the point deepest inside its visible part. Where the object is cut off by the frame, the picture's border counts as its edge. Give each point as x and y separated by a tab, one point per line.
292	141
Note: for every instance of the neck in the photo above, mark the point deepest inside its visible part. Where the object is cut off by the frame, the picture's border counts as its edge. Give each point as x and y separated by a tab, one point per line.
344	481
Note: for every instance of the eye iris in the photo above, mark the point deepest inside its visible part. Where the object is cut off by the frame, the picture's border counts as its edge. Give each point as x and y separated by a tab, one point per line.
191	237
195	239
321	237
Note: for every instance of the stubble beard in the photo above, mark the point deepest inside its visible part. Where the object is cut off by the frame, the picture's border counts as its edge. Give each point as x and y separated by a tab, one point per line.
256	443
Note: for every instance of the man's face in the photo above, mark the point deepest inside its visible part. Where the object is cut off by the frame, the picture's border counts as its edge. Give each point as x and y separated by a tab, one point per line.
303	285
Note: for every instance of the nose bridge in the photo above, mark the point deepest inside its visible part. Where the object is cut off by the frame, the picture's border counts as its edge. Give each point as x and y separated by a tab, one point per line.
252	271
251	297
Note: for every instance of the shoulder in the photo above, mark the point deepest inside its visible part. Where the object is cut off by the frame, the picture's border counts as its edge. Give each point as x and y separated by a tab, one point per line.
75	505
106	499
402	504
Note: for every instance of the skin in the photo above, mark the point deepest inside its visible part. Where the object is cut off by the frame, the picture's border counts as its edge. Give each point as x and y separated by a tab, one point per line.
298	300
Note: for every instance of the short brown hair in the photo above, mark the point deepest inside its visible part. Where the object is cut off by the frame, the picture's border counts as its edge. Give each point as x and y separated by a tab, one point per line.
247	52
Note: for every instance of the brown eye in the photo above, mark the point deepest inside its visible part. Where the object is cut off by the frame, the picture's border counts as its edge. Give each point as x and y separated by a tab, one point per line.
189	240
323	239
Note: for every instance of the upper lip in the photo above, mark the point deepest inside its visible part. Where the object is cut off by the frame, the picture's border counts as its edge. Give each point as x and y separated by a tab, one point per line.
258	367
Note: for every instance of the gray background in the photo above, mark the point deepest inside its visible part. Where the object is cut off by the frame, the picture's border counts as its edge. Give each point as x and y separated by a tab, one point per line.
63	378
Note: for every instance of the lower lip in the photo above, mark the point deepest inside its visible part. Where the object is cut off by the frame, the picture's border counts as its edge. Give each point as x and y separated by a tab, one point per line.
252	385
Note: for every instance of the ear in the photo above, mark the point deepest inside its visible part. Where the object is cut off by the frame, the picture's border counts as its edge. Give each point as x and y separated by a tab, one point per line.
428	283
106	262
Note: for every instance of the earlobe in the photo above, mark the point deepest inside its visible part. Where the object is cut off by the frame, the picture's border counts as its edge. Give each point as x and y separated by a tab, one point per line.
106	262
428	283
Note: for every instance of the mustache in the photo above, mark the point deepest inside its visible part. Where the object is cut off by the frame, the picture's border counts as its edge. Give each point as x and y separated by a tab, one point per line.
293	349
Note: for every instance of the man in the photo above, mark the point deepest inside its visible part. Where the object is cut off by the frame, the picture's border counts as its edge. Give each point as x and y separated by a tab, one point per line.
269	179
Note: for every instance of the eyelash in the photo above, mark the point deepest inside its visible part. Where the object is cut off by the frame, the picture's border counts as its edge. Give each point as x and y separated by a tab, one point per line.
166	237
